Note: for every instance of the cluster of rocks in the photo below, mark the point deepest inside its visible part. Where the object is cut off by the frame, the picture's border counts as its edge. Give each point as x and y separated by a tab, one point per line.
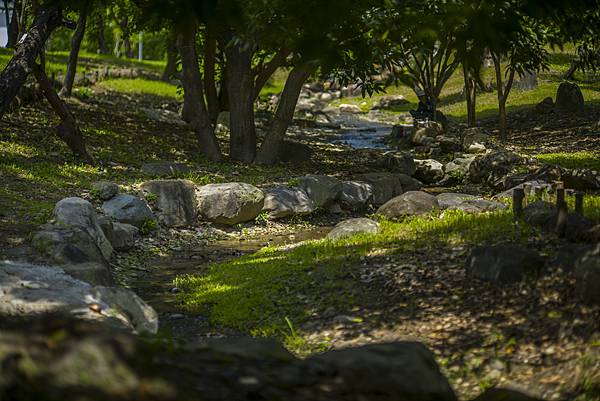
569	99
38	363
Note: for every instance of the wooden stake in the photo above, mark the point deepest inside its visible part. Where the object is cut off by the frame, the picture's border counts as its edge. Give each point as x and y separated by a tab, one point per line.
518	197
563	211
579	203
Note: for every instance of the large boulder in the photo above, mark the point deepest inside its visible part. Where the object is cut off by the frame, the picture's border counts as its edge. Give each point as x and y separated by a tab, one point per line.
165	169
503	264
287	201
28	290
323	190
79	213
348	228
175	202
569	98
66	245
409	204
399	163
230	203
128	209
587	277
385	186
429	171
356	195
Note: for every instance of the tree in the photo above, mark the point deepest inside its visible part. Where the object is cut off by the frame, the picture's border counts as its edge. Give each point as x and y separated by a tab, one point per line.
75	46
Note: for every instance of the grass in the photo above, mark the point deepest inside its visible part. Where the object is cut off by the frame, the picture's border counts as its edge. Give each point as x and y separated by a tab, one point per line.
261	293
586	160
140	86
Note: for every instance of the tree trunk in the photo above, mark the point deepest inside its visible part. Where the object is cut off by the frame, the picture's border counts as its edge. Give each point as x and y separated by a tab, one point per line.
470	95
74	55
67	130
210	87
270	150
503	91
171	66
571	71
263	75
240	88
13	27
194	108
100	38
26	52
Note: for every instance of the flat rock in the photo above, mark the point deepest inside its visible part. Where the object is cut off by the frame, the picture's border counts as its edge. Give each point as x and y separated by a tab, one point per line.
229	203
503	264
409	204
352	227
175	203
282	202
447	200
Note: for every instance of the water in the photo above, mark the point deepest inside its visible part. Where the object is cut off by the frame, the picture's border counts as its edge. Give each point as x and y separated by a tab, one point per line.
365	138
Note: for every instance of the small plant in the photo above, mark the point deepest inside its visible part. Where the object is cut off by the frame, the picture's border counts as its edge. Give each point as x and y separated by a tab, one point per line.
148	226
83	93
151	197
262	218
291	339
294	182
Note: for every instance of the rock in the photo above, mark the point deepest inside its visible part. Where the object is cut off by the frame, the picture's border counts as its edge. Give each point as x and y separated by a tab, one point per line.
385	186
400	163
400	131
492	167
79	213
322	189
128	209
67	245
503	264
390	102
540	214
459	166
356	195
165	169
567	255
229	203
104	190
295	152
28	290
581	179
546	106
409	204
448	200
287	201
502	394
587	277
426	135
449	144
349	108
164	116
123	236
569	98
93	273
175	203
478	206
404	371
352	227
532	187
429	171
409	183
473	136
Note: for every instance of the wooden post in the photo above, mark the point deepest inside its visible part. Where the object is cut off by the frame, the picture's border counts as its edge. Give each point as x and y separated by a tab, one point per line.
518	196
579	203
563	212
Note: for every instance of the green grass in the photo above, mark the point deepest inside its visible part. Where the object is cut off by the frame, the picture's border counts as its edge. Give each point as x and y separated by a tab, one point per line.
259	293
142	86
587	160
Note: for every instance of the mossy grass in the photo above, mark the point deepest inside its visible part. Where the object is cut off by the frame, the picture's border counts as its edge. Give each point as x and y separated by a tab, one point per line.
586	160
261	293
143	86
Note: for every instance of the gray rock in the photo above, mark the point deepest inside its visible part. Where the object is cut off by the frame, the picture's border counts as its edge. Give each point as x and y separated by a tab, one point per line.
322	189
67	245
492	167
409	183
352	227
385	185
546	106
165	169
175	203
448	200
503	264
128	209
449	144
540	214
398	371
390	101
478	206
459	166
567	255
581	179
287	201
91	272
28	290
429	171
79	213
425	135
409	204
569	98
123	236
475	135
356	195
587	277
104	190
400	163
230	203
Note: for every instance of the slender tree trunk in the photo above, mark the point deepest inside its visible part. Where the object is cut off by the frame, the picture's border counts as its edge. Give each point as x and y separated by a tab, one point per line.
67	130
194	110
270	150
210	86
470	95
503	91
263	75
27	50
22	18
171	66
74	55
13	27
100	38
127	46
240	88
571	71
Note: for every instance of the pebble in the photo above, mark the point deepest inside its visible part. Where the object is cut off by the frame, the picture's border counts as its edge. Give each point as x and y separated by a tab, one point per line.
174	290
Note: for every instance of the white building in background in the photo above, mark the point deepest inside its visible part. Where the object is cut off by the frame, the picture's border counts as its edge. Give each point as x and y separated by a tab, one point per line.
3	28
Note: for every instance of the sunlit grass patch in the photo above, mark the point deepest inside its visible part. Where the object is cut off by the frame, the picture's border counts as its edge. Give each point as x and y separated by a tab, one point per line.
587	160
142	86
257	293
